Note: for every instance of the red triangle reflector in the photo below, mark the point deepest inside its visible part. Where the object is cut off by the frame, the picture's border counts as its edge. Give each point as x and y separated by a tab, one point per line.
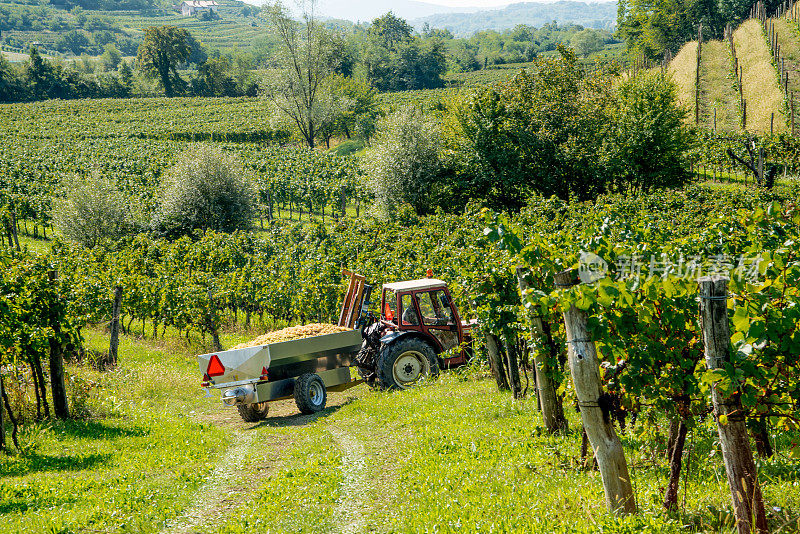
215	367
263	370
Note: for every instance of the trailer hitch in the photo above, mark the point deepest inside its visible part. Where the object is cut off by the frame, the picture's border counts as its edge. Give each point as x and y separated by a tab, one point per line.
239	395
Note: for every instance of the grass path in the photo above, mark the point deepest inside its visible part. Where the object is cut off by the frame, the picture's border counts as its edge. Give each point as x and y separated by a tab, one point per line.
683	68
717	89
760	85
223	487
454	456
789	39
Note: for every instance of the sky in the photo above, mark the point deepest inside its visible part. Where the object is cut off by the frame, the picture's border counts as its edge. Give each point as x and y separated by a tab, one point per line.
484	4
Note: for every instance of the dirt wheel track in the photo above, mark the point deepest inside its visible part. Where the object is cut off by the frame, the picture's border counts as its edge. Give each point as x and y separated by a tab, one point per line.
233	480
221	491
349	507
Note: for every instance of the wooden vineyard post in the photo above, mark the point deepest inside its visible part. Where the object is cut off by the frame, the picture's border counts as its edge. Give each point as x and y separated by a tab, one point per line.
585	369
697	76
512	364
14	228
2	422
115	313
736	452
57	384
744	115
552	407
211	322
496	361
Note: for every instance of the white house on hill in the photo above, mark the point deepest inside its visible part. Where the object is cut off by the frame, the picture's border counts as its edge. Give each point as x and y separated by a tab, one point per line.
193	7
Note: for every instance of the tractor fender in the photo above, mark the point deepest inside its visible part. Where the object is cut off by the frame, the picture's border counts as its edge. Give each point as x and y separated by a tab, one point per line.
391	337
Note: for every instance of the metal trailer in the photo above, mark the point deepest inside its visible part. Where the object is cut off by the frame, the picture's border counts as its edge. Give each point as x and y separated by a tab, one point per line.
302	368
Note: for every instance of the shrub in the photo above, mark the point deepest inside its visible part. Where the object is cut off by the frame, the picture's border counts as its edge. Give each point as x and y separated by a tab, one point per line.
92	210
207	190
647	139
403	163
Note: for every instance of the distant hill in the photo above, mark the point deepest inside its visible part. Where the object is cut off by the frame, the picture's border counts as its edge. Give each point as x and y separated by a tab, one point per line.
595	15
366	10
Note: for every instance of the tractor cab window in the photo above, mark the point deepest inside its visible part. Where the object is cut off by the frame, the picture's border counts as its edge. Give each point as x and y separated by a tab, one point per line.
435	308
409	316
389	306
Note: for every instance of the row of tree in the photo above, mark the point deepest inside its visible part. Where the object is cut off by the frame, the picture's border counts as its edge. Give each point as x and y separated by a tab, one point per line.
553	129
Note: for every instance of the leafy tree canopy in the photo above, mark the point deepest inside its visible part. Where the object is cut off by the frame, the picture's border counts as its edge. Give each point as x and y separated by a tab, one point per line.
162	51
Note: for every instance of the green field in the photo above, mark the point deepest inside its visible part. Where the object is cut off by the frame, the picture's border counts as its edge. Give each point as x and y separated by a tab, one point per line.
232	31
452	456
146	450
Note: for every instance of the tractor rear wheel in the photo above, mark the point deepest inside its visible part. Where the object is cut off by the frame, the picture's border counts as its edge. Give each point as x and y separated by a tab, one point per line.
309	393
406	363
253	413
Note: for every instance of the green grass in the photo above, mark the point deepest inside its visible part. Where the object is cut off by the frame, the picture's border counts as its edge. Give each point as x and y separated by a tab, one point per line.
458	456
136	457
761	91
683	68
717	88
789	40
454	456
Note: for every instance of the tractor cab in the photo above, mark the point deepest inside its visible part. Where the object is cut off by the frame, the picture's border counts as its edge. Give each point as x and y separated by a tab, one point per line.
426	308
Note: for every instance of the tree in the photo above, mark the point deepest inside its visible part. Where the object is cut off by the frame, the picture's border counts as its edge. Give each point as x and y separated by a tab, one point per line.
163	49
305	59
208	190
389	31
395	60
111	57
125	78
403	163
74	41
646	136
92	210
651	28
541	131
40	75
214	78
10	89
586	41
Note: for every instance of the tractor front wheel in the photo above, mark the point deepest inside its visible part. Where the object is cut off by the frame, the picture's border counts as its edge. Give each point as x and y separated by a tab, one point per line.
406	363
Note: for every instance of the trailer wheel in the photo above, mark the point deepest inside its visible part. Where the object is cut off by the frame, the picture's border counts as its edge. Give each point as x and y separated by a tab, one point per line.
406	363
309	393
253	413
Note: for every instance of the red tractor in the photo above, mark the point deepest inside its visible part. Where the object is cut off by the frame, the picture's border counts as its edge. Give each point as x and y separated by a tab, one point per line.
418	332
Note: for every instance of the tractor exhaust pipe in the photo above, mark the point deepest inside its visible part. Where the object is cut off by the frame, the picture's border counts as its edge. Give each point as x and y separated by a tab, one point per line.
239	395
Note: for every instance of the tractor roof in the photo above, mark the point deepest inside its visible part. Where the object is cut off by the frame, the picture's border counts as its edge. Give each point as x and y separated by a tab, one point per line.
410	285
